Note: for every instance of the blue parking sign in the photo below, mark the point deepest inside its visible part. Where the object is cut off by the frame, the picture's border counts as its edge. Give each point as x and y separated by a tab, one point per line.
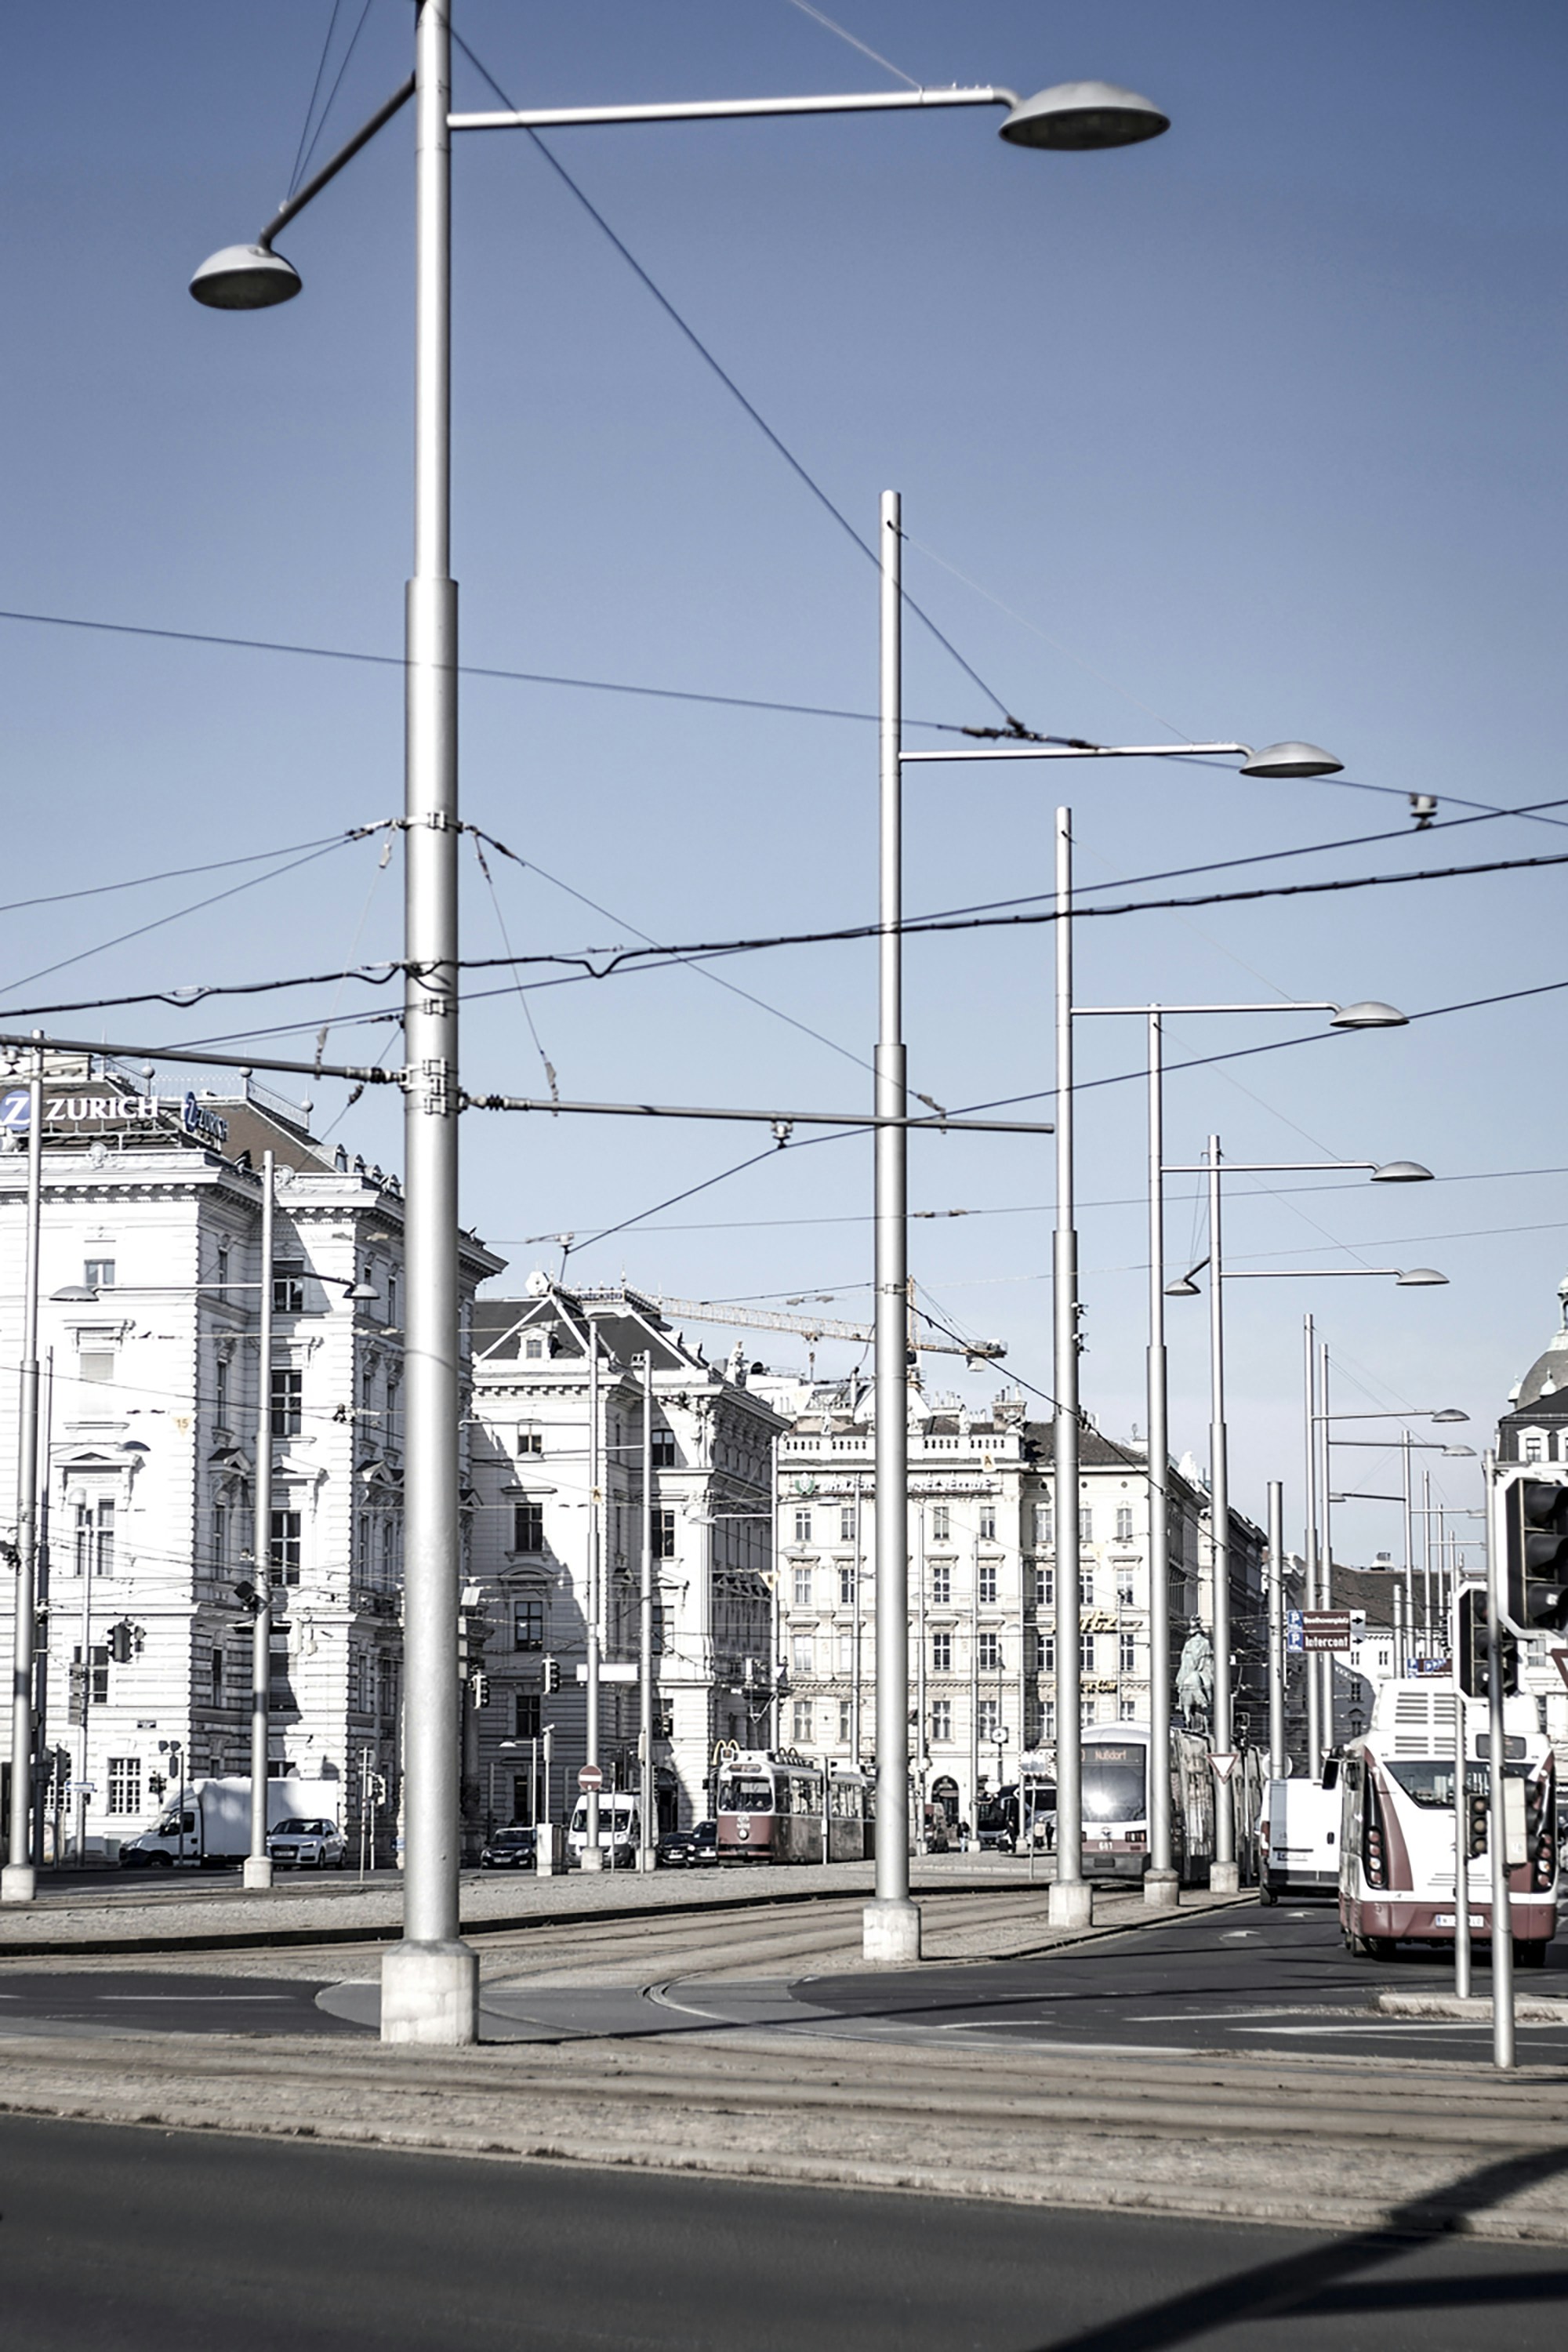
13	1110
1295	1636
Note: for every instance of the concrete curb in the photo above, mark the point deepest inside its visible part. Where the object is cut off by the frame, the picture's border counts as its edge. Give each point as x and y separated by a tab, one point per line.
1529	2009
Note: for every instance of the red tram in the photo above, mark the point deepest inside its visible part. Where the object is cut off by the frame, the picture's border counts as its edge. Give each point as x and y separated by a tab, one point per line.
776	1805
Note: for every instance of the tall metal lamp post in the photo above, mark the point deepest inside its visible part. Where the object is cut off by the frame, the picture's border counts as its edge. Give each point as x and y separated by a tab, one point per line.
19	1880
1225	1873
429	1980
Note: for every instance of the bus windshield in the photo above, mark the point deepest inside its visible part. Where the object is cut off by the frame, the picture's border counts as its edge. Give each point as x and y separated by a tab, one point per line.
737	1796
1112	1781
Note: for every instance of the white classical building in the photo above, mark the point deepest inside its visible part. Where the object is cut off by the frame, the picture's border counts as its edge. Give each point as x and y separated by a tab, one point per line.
542	1514
150	1252
983	1572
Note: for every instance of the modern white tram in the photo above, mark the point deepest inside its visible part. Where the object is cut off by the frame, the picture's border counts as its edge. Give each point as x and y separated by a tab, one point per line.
1397	1845
1116	1767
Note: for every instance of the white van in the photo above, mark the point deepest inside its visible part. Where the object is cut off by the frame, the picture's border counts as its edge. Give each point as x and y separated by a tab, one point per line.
619	1830
1298	1836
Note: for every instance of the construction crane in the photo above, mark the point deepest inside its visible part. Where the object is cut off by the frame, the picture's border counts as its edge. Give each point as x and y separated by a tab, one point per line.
809	1327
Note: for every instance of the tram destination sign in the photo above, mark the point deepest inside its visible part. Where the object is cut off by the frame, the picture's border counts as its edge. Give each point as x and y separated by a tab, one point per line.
1325	1629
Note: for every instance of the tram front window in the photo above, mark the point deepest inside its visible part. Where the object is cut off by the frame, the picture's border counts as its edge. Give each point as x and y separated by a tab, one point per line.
1113	1783
745	1797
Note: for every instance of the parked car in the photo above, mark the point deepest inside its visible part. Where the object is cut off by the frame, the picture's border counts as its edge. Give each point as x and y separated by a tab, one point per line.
688	1849
705	1841
298	1843
510	1848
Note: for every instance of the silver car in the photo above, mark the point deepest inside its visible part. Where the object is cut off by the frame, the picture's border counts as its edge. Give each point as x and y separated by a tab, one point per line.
297	1844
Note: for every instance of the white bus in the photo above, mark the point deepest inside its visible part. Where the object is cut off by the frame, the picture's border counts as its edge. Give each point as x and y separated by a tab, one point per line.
1397	1876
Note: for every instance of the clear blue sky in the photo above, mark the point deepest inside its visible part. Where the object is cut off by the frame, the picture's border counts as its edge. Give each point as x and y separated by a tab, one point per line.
1253	431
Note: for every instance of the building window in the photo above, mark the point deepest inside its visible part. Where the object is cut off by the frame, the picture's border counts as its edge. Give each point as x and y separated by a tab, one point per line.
1125	1523
388	1554
223	1269
1124	1587
1047	1654
802	1586
1533	1452
1127	1655
942	1653
941	1721
214	1669
803	1526
846	1652
987	1522
1086	1588
98	1273
94	1549
846	1588
531	1441
987	1718
95	1360
285	1546
941	1583
528	1527
1044	1526
663	1534
1048	1718
124	1784
940	1523
287	1396
803	1650
1086	1652
1045	1587
988	1656
219	1538
1127	1709
288	1286
527	1715
846	1722
801	1722
663	1443
220	1391
533	1348
528	1623
1085	1524
846	1523
988	1580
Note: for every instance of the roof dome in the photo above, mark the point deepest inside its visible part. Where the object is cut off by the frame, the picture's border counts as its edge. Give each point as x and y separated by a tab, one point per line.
1547	1379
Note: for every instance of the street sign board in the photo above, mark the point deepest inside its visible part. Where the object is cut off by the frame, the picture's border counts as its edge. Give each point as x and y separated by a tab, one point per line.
1223	1764
1325	1629
589	1779
81	1789
1293	1638
1443	1666
618	1672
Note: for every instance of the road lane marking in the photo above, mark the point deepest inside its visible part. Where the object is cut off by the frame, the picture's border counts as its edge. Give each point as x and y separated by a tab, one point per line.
190	1999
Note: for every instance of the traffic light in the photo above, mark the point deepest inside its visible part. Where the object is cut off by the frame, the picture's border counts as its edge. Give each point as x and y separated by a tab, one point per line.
1534	1540
1471	1661
123	1643
480	1687
1478	1820
552	1674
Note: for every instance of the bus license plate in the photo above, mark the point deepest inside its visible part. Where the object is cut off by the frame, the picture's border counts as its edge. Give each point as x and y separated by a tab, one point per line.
1450	1919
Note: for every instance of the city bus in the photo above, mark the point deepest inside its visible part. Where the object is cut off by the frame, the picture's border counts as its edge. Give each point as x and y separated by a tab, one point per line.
775	1805
1398	1877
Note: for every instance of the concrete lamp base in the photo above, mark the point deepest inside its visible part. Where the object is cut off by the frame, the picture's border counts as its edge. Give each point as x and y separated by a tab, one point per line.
592	1858
18	1882
1224	1878
258	1872
1162	1890
1071	1904
430	1994
891	1934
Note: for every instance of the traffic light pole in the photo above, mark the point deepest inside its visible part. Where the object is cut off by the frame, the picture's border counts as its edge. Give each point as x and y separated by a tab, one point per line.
1503	1921
1461	1844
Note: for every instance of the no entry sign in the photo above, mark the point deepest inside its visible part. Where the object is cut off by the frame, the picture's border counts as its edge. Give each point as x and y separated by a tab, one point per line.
590	1779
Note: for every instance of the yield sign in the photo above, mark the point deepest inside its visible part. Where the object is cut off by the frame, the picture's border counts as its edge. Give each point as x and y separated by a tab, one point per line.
1560	1660
1224	1765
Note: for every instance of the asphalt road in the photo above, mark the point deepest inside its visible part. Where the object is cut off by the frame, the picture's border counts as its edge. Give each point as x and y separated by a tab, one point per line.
141	2001
1269	1980
124	2240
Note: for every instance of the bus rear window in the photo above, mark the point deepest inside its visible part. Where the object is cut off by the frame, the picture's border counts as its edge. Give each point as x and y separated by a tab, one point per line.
1112	1781
1430	1782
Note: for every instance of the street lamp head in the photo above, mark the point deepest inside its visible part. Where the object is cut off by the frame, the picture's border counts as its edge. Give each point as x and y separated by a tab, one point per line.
1461	1453
245	277
74	1294
1185	1288
1449	1414
1083	115
1400	1172
1369	1014
364	1291
1419	1277
1279	760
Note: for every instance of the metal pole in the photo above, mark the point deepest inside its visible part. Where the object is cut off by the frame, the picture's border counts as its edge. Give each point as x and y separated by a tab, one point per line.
18	1880
1324	1665
919	1756
40	1659
854	1652
1223	1876
892	1923
1309	1484
1461	1847
592	1856
1277	1757
1071	1899
429	1982
1161	1886
1496	1828
1427	1563
86	1538
258	1870
1409	1541
647	1847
